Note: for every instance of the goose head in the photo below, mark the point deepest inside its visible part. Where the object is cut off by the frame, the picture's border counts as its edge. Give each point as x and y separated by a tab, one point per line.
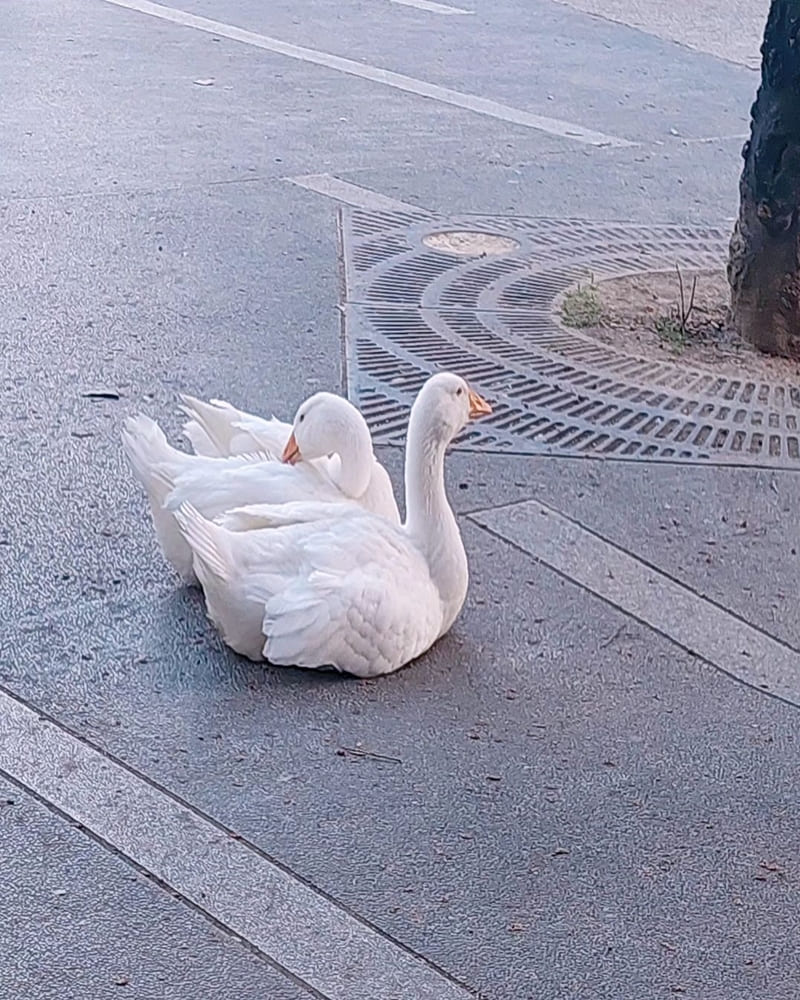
445	405
327	424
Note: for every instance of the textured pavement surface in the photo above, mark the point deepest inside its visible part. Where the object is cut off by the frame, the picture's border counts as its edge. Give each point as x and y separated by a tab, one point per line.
558	801
729	29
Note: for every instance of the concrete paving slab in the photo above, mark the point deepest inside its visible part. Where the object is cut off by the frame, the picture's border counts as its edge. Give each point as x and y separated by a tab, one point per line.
150	125
319	944
730	534
381	75
531	54
657	599
142	299
544	724
88	925
690	183
727	533
730	29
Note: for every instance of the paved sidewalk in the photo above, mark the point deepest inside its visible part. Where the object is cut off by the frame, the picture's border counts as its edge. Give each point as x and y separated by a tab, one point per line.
587	790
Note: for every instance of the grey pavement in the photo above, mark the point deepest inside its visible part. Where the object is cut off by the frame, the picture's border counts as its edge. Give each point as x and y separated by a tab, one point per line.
560	800
729	29
77	921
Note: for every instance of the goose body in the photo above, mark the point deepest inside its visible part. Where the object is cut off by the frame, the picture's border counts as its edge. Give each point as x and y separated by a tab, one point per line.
333	585
341	469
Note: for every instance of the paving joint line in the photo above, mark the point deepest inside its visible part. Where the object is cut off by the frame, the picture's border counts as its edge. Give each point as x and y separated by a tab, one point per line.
377	74
641	621
627	460
433	8
712	638
631	555
196	811
346	193
178	896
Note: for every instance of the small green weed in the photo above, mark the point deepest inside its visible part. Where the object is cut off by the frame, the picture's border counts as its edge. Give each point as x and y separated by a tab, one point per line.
582	307
671	331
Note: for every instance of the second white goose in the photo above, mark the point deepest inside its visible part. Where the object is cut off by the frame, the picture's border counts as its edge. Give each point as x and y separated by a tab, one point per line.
327	428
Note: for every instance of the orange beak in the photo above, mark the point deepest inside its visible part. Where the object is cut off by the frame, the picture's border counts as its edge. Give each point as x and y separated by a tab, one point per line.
478	407
291	453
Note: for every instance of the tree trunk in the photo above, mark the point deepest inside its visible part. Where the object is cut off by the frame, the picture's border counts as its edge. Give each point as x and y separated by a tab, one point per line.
764	262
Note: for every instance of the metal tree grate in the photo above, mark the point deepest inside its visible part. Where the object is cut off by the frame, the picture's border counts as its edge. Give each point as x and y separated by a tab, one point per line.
411	310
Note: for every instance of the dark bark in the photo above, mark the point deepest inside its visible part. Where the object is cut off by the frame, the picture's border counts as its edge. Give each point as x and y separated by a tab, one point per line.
764	262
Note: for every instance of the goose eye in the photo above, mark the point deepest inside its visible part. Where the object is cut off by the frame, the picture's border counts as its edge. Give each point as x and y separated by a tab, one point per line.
302	418
459	391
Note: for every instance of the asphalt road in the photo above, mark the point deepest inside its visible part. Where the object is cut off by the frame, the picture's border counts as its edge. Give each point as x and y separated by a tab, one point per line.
559	801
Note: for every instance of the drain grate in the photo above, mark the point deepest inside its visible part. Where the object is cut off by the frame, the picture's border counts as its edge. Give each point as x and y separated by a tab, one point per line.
417	302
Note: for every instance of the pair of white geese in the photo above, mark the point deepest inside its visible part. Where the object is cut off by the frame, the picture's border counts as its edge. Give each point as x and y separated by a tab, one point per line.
303	559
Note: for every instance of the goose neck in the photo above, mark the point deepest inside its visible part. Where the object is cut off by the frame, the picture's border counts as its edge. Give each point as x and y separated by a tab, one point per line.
430	522
427	509
356	459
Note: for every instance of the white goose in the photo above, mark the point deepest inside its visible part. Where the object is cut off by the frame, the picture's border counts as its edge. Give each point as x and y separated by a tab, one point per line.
318	585
326	427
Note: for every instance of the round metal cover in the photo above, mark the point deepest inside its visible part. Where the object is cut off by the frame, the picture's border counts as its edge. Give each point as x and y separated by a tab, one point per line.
470	243
412	309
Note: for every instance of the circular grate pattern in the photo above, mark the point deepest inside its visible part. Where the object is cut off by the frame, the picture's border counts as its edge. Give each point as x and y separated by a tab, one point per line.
412	308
